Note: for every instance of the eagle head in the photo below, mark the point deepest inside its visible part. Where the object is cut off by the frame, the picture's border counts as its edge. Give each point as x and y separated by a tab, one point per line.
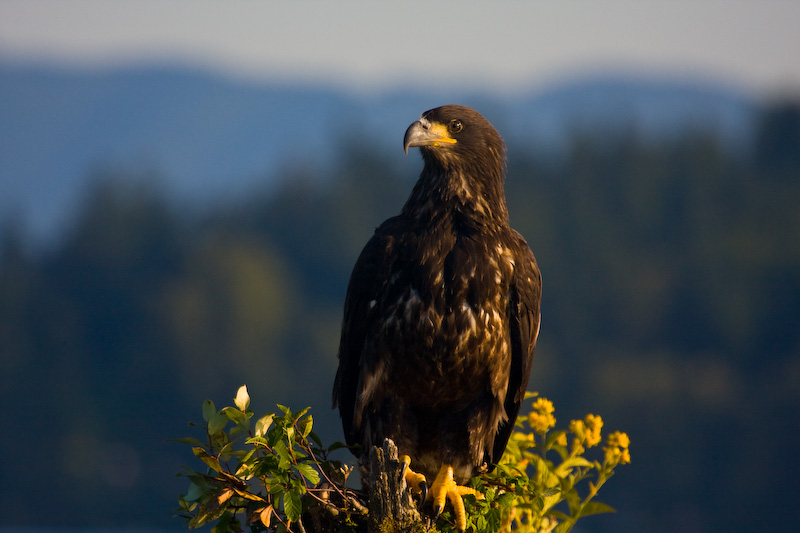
455	134
464	159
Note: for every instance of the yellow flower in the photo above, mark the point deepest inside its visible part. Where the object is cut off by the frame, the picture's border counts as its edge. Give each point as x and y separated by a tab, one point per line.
577	428
562	439
593	426
541	418
587	433
617	451
544	405
620	439
626	457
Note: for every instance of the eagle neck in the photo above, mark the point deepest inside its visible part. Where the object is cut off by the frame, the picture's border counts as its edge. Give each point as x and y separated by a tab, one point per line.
455	193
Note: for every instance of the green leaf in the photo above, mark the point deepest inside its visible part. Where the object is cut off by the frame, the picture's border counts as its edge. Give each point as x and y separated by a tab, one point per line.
236	416
285	457
242	400
244	471
574	502
292	506
217	423
559	515
194	492
336	446
509	470
274	436
246	465
305	425
208	410
573	462
506	499
308	472
263	424
189	440
553	436
258	440
315	438
298	455
275	490
596	508
246	457
227	450
211	461
547	493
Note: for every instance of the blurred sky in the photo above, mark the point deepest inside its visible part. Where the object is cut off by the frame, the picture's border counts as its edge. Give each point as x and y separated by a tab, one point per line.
362	45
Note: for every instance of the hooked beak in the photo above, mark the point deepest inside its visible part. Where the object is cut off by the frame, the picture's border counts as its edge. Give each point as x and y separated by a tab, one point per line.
424	133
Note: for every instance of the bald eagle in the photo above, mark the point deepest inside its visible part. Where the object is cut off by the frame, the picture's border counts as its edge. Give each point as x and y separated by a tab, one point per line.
441	315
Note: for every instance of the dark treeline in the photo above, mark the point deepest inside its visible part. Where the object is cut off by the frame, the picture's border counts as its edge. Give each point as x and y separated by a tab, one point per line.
671	307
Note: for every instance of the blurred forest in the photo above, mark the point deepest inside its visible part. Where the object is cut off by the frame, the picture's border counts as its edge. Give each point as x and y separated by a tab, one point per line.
671	307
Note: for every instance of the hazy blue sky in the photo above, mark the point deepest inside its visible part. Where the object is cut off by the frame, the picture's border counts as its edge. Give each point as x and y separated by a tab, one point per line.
498	45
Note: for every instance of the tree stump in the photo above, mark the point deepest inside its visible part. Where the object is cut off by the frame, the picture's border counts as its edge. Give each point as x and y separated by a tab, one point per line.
391	508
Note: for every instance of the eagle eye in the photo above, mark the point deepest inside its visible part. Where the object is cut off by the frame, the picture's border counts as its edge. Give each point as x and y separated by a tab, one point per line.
455	126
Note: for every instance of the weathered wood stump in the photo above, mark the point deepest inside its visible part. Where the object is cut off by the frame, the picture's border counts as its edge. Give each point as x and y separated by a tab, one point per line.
389	505
391	508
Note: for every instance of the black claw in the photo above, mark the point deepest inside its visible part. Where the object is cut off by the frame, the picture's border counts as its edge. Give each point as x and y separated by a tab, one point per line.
423	493
437	510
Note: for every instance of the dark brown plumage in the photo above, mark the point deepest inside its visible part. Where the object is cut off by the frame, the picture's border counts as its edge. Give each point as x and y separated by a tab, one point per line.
442	310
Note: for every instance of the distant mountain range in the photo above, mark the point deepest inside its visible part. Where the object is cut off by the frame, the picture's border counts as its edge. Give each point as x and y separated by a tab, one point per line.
210	136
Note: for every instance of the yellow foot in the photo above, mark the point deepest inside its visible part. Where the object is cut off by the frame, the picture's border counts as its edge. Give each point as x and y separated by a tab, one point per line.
414	480
445	487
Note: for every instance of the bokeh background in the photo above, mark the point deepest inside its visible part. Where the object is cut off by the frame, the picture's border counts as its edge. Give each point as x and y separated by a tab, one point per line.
185	186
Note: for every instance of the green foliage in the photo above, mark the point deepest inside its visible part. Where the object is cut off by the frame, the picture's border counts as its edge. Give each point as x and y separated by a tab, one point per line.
271	475
265	471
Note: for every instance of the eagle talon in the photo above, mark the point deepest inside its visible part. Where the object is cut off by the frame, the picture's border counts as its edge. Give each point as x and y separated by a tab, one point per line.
414	480
445	488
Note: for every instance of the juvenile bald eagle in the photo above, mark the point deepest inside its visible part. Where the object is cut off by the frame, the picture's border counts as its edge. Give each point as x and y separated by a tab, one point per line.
442	314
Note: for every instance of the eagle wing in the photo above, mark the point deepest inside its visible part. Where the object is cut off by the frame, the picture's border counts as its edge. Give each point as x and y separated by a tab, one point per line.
524	319
356	370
